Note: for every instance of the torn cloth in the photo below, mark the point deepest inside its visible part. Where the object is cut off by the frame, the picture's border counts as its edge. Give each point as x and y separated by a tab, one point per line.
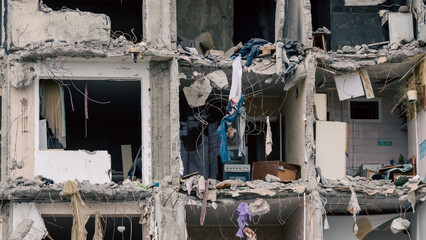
399	225
80	211
53	108
99	233
237	73
251	235
233	108
243	210
242	117
354	208
289	49
251	49
268	142
221	131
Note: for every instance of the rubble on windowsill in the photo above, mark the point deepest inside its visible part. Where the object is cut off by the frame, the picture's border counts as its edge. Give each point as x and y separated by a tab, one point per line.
115	48
373	187
265	65
352	58
243	190
38	190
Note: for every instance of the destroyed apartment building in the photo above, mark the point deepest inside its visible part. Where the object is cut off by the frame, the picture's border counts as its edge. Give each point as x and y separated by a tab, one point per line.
197	119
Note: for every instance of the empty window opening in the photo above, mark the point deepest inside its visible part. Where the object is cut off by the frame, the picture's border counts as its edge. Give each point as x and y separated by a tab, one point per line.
364	110
362	24
113	111
320	11
60	227
254	19
126	15
227	22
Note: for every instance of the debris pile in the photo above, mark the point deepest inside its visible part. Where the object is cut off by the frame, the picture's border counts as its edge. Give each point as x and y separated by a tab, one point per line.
239	189
21	188
352	58
412	192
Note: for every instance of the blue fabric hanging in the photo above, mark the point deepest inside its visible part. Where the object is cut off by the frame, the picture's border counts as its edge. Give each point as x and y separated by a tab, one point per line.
221	131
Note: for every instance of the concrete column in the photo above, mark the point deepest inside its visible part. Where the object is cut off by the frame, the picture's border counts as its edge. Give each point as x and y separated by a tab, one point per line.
170	213
315	200
279	19
307	23
17	143
159	22
165	119
4	128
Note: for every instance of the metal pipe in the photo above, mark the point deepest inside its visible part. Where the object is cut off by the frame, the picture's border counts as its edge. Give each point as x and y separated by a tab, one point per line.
417	138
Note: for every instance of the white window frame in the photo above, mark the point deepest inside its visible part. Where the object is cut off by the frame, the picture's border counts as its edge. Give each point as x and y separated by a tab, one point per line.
378	100
116	69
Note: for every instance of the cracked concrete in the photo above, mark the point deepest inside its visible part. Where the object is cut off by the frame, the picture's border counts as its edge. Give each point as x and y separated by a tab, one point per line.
31	25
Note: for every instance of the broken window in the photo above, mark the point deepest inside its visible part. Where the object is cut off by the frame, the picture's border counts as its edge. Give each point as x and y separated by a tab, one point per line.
126	16
227	22
320	11
254	19
354	22
92	115
364	110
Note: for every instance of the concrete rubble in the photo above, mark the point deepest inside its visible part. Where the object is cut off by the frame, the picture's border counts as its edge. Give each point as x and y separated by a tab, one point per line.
259	207
372	187
198	92
20	188
219	79
354	58
33	38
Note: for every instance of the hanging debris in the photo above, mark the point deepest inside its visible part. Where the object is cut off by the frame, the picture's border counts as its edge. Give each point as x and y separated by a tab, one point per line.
198	92
80	211
399	225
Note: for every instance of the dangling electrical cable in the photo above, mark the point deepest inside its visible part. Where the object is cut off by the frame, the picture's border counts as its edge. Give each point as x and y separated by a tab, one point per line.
86	109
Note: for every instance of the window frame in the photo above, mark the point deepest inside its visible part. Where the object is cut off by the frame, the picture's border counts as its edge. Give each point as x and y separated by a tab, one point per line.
378	100
120	69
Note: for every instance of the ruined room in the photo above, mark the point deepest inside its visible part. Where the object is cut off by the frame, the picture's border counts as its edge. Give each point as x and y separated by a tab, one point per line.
353	23
126	16
94	115
377	120
274	119
264	96
228	22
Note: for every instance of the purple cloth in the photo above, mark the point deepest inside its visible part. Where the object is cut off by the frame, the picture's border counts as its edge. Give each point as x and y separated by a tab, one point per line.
243	210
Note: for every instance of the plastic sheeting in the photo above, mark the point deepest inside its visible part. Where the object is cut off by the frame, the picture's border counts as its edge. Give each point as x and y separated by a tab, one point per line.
353	207
80	211
268	142
99	233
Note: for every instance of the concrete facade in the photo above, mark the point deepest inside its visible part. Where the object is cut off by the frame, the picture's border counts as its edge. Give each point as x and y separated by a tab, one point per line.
41	44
